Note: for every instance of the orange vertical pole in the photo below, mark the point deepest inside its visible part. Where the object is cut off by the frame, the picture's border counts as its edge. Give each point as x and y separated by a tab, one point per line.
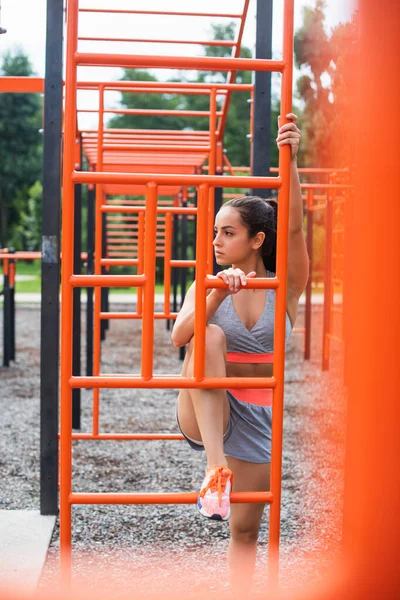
251	128
150	273
280	309
140	268
327	280
211	171
97	267
67	249
201	272
167	263
308	303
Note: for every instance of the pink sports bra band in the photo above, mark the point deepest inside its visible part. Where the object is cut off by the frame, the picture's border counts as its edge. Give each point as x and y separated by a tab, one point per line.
244	357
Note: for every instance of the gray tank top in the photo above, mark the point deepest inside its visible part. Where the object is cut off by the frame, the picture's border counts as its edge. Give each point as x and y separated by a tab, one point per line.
260	339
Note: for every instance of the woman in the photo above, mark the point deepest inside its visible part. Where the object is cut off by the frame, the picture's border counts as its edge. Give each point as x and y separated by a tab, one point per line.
234	426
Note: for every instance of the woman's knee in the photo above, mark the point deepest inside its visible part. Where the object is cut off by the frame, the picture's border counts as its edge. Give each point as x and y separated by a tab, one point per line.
244	534
215	340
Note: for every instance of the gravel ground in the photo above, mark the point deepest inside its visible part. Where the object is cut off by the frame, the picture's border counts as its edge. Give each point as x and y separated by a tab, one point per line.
157	547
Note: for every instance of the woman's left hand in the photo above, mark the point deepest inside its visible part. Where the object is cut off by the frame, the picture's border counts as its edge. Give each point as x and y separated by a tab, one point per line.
289	134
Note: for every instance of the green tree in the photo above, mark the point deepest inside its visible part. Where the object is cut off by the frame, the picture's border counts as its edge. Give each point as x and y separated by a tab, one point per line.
326	106
147	101
28	233
20	148
236	142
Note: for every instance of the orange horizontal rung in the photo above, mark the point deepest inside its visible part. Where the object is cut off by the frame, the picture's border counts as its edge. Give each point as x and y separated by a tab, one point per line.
121	262
199	63
126	11
121	255
150	111
127	315
155	89
185	180
24	85
120	241
20	255
182	263
160	227
335	338
122	208
261	283
317	207
160	498
172	381
326	186
127	436
337	309
155	148
226	43
179	132
107	280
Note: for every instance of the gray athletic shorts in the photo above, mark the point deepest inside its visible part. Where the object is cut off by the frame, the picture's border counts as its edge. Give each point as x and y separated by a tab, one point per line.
248	436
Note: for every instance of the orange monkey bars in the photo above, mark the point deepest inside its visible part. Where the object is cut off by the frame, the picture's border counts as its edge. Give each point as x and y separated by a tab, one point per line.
113	164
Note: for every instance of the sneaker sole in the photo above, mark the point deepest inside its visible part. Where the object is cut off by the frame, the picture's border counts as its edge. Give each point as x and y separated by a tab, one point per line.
215	516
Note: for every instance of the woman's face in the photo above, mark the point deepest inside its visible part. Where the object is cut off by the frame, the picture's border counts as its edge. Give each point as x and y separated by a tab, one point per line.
232	244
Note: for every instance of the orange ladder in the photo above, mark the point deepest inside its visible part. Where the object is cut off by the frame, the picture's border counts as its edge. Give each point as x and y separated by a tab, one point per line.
146	279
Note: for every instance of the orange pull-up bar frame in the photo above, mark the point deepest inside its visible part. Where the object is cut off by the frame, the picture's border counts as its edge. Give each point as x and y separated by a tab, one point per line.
146	280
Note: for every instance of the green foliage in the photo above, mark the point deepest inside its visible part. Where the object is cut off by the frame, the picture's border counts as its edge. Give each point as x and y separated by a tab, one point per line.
236	143
327	107
28	233
20	151
147	101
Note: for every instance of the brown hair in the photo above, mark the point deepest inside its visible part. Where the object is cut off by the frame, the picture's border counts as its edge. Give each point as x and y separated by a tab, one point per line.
258	215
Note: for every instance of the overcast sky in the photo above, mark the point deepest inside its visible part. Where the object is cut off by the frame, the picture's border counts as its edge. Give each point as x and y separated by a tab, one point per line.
25	21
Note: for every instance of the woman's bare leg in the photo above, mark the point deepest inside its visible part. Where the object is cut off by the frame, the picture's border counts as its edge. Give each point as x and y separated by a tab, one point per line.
204	414
245	523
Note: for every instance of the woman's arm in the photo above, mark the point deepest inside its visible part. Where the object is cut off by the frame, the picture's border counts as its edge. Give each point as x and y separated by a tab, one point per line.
183	329
298	262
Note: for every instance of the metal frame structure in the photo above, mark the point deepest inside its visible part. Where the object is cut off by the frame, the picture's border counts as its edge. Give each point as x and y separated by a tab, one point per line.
146	279
121	156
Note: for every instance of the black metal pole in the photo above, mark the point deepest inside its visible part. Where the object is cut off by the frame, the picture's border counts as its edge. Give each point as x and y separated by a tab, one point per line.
308	306
91	196
49	348
6	316
261	158
12	306
76	312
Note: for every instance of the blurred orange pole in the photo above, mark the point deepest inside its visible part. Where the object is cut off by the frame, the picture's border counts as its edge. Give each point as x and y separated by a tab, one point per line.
371	525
